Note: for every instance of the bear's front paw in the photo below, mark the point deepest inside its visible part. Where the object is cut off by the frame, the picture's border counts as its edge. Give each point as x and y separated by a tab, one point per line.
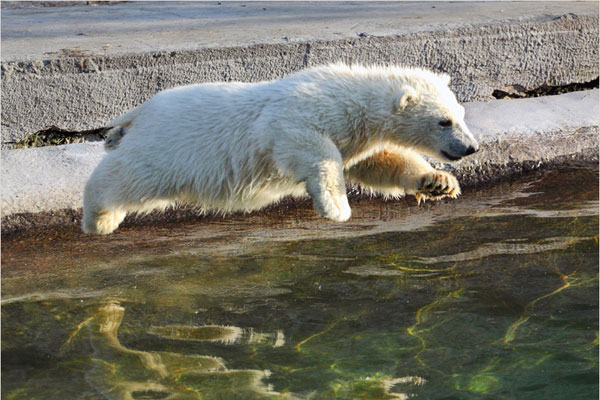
335	208
437	185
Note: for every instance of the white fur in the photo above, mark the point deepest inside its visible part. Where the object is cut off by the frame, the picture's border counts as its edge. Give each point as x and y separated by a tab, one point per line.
241	146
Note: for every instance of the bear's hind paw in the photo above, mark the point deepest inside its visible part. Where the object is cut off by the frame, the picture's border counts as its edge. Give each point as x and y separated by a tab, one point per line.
102	223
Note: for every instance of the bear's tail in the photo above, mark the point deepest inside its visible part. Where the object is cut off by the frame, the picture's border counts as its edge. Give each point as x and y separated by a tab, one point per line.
113	137
117	129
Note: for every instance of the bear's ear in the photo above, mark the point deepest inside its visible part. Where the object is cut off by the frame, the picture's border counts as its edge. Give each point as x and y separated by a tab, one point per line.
407	98
445	77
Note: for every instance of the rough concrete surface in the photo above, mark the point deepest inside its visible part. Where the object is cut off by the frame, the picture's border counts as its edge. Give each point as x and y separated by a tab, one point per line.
57	67
511	132
145	27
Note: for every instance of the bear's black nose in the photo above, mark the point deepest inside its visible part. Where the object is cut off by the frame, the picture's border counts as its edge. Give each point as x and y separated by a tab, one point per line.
471	150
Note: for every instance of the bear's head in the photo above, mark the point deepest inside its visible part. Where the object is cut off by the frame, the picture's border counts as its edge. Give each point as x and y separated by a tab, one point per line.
426	115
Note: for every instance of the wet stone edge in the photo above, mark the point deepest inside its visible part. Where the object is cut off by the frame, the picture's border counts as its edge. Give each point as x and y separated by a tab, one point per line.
483	175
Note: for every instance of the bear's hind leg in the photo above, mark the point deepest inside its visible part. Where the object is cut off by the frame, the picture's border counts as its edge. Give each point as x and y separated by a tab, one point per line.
102	222
113	191
104	202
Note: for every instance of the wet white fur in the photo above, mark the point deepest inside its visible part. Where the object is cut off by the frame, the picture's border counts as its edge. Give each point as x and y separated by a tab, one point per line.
241	146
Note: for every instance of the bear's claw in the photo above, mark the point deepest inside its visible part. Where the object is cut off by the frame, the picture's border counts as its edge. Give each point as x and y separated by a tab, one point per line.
436	186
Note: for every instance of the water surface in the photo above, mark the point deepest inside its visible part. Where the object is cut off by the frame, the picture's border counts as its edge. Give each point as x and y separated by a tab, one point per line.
491	296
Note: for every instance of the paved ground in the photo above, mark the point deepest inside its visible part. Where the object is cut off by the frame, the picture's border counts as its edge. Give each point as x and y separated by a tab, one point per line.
132	27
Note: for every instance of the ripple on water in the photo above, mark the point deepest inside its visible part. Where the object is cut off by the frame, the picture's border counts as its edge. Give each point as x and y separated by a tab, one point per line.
494	295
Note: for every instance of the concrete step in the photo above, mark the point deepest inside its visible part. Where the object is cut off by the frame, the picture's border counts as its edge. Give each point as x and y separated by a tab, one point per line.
512	133
78	67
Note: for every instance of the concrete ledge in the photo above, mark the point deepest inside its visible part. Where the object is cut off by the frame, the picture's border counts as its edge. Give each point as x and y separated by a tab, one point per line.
43	179
57	69
514	134
537	129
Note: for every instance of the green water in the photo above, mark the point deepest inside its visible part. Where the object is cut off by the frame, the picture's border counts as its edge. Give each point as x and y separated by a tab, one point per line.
491	296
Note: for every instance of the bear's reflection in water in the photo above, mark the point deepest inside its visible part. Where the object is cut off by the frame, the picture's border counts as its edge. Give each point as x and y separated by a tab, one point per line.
118	372
217	333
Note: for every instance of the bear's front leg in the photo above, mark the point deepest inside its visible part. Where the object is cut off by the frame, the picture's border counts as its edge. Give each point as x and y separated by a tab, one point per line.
398	171
327	188
313	159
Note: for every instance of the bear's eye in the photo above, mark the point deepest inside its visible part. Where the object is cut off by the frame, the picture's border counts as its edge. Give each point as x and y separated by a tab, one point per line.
445	123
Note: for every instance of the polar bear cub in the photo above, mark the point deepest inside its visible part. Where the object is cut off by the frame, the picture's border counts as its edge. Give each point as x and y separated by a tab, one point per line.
241	146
